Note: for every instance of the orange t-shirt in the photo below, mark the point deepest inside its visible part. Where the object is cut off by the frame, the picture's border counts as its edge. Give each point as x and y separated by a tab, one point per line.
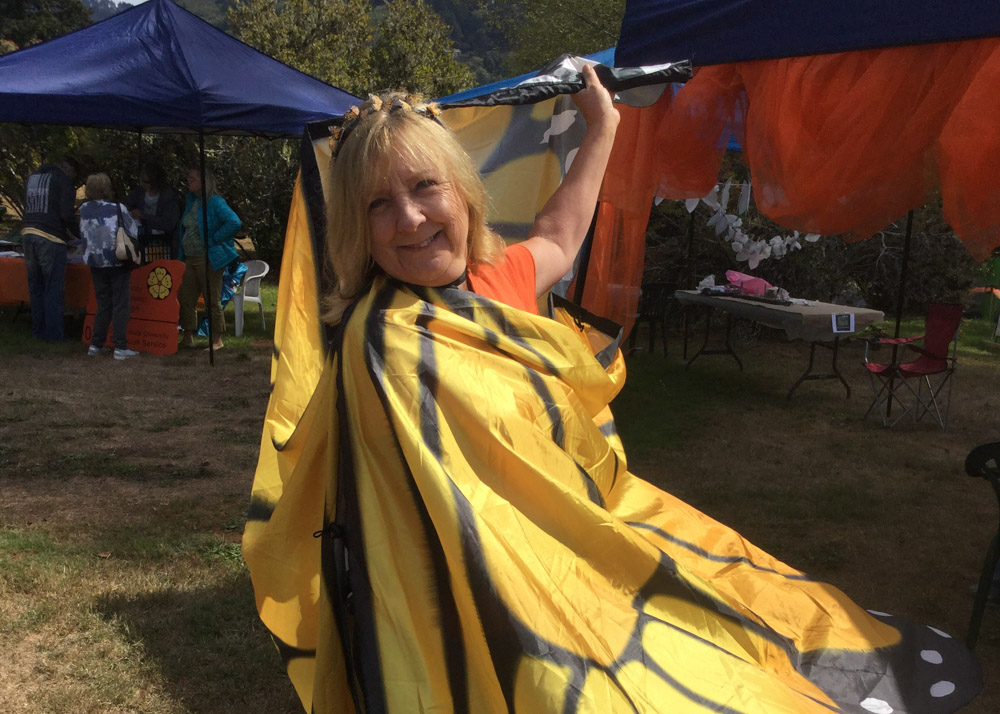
511	281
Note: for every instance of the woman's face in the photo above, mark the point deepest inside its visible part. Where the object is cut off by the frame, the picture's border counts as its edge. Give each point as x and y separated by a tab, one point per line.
194	181
419	225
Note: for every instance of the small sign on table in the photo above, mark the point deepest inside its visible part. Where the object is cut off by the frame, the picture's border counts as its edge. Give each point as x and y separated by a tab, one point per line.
842	322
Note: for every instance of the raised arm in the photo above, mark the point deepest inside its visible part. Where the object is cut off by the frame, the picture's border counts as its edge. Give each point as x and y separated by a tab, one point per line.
560	228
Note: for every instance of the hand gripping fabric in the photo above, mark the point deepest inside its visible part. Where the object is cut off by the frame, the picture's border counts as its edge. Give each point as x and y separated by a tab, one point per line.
482	547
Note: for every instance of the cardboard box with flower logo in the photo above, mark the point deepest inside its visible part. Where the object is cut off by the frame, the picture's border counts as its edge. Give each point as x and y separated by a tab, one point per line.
154	308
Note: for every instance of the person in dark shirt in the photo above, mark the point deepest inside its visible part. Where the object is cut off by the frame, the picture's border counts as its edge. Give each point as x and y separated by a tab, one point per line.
48	224
157	205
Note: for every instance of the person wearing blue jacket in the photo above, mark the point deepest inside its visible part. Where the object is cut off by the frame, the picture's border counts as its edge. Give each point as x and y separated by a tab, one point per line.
223	223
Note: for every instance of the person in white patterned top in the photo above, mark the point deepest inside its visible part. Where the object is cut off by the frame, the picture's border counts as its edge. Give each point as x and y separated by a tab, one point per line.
99	221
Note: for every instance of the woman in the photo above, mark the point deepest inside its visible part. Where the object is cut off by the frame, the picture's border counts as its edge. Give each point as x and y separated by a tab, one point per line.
223	224
99	221
451	525
157	206
423	208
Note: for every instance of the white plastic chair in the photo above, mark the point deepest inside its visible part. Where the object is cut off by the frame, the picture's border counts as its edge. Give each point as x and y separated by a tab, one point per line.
250	292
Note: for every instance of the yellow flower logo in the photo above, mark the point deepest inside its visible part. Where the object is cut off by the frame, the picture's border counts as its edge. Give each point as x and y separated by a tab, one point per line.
159	283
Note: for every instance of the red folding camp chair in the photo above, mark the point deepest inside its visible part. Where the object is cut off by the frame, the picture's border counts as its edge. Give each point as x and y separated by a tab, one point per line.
932	371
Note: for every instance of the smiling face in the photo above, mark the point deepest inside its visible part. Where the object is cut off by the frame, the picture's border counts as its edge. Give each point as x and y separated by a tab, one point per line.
418	224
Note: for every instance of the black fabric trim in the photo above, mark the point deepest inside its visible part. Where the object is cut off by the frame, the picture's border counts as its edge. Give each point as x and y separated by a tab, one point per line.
312	193
602	324
316	130
616	79
608	428
333	559
593	493
288	653
701	552
260	510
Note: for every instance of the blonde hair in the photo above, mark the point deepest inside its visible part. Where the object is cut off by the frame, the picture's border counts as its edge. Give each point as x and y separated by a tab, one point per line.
387	130
98	188
209	179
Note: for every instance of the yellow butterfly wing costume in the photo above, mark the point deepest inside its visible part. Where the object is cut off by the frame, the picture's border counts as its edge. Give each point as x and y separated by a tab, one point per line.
442	519
475	542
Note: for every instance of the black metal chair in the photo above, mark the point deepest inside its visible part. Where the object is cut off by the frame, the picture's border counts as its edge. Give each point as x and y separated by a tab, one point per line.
984	462
654	309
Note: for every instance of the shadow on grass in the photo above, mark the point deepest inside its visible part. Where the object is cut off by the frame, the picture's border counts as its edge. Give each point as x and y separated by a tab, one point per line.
212	651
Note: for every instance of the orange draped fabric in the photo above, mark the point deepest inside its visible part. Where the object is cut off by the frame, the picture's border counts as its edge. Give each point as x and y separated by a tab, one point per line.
614	272
847	143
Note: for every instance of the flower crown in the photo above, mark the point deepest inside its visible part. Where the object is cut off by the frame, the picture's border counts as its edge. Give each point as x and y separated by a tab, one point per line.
392	104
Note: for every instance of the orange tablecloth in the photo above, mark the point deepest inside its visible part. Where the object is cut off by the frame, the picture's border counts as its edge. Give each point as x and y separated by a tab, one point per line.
14	284
153	323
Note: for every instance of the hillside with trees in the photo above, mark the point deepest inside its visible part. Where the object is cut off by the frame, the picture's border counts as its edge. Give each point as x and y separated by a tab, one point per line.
103	9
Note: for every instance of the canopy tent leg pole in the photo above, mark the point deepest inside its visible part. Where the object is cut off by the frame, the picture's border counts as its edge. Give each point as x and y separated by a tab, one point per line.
899	301
139	154
690	280
204	240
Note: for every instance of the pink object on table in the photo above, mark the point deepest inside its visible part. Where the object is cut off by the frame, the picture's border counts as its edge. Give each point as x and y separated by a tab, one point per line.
748	284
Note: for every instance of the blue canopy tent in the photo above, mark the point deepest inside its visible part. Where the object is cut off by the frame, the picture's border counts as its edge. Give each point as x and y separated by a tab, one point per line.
737	30
158	68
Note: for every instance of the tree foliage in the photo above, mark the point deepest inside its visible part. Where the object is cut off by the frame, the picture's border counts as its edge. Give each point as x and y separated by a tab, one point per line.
481	46
345	43
538	31
27	22
211	11
328	39
103	9
413	49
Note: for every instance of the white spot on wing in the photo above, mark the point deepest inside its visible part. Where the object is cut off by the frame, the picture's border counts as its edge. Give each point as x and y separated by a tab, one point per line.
938	632
559	124
942	688
932	656
876	706
569	159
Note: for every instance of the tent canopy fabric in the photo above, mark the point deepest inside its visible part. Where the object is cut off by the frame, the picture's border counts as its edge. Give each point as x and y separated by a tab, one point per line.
159	68
837	142
741	30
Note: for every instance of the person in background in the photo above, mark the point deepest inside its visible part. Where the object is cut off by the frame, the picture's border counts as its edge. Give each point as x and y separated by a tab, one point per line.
157	206
48	225
99	221
223	223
